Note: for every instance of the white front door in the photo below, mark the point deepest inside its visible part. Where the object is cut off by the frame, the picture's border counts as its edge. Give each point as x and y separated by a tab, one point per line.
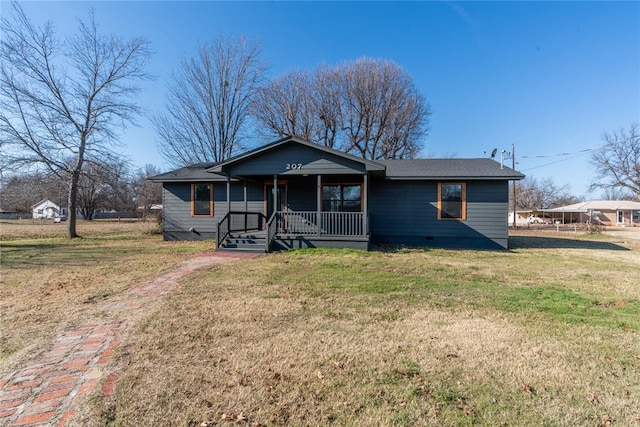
620	217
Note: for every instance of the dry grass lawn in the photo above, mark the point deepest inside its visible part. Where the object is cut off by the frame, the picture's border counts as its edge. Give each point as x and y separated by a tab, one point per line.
547	333
49	283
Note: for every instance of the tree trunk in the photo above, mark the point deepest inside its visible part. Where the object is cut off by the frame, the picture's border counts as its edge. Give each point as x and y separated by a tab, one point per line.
88	213
71	203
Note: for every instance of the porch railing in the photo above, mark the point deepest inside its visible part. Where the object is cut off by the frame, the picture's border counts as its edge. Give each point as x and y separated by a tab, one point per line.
299	223
272	229
310	223
239	221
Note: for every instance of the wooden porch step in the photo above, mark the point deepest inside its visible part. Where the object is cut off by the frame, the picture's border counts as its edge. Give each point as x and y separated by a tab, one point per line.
247	242
241	249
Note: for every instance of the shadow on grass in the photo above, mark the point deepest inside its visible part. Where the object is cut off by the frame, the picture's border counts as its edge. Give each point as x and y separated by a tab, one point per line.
29	256
526	242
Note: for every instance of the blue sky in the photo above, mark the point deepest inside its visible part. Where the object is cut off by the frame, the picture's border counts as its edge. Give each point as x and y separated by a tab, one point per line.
549	77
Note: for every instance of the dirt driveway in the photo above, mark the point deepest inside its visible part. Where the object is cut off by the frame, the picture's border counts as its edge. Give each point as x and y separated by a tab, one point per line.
624	232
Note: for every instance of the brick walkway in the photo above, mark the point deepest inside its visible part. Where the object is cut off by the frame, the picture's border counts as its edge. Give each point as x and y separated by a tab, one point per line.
48	392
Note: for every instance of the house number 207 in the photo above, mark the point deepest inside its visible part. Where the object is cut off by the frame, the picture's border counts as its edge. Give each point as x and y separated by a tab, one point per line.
290	166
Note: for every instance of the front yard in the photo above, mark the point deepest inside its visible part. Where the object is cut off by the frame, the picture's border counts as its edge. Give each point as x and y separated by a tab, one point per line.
547	333
535	336
49	283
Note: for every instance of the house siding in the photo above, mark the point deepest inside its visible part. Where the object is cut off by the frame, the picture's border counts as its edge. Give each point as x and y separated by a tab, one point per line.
405	213
400	212
301	193
177	220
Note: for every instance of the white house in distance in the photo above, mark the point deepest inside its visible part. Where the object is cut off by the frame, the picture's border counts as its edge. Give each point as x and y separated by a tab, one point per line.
46	209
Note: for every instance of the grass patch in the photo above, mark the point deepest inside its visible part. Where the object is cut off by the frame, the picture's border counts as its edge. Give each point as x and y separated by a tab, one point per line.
564	305
532	336
49	282
473	284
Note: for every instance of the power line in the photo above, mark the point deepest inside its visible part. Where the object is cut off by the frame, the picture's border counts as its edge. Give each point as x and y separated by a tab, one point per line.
586	150
553	163
577	153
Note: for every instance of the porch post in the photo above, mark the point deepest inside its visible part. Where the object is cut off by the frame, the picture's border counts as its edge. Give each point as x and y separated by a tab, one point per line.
246	206
275	193
365	200
319	203
246	203
228	193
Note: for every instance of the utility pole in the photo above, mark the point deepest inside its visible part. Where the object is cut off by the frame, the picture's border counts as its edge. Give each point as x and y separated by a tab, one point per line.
513	163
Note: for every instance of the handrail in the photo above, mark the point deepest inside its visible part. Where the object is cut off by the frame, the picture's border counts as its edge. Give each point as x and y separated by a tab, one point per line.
220	238
272	228
238	221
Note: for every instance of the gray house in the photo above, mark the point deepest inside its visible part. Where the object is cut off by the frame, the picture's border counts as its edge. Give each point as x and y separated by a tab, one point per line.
295	194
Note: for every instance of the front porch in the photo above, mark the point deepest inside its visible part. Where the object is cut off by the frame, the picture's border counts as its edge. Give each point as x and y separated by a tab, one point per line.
253	231
296	194
297	212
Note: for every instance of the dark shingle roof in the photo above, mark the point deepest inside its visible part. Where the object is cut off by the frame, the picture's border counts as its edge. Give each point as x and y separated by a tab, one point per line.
448	169
425	169
191	173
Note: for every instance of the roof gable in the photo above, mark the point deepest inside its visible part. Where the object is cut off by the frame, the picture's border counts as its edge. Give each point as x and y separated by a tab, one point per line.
45	203
295	156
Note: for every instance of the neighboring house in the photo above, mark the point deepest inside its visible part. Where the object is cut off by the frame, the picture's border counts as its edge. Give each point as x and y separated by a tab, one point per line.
293	193
522	217
603	212
46	209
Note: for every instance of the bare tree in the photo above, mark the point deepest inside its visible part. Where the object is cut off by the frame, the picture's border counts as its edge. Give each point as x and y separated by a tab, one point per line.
618	162
21	191
208	102
119	182
105	186
327	99
92	191
617	194
303	105
284	106
148	193
543	194
62	100
369	108
385	116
